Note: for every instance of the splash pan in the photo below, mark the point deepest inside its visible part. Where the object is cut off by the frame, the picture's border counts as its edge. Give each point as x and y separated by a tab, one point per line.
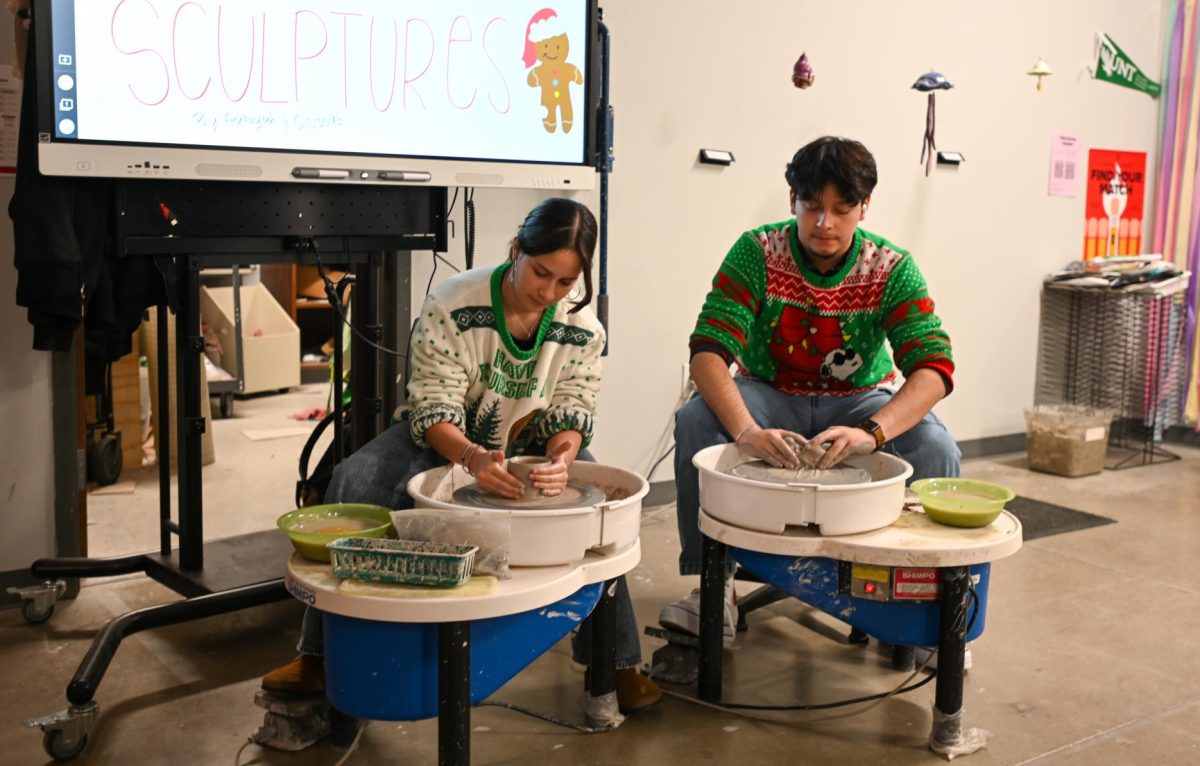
868	493
603	514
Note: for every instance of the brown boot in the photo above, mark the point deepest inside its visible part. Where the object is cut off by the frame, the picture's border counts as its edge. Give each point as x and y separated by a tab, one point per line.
635	691
303	675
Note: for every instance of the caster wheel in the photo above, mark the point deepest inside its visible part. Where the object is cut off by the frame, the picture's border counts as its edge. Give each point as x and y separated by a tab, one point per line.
104	459
35	616
226	406
52	742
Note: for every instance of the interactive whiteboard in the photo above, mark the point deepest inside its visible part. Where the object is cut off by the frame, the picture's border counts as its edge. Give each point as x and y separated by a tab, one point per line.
442	92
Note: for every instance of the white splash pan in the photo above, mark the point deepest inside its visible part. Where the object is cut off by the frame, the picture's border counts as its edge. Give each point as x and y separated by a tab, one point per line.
561	535
841	509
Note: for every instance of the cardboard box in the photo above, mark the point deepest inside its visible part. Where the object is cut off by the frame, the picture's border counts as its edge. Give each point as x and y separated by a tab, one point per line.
1067	440
149	335
126	408
270	339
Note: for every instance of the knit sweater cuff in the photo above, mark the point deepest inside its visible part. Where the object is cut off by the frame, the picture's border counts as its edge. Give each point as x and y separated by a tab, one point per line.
425	417
701	346
944	368
559	419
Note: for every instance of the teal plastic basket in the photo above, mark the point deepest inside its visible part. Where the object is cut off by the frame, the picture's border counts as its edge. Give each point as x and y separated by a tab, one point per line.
411	562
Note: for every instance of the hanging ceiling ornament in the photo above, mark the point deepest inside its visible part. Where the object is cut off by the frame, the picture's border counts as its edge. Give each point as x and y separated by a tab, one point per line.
802	72
930	82
1041	69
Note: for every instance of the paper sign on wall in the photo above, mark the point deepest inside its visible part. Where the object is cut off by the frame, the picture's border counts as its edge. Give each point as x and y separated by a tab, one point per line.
1115	191
1064	166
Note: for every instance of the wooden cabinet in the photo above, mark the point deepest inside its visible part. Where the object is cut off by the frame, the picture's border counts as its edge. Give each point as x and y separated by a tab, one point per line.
301	292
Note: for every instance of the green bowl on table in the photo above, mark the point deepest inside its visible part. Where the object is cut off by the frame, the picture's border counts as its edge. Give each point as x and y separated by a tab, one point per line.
311	529
962	502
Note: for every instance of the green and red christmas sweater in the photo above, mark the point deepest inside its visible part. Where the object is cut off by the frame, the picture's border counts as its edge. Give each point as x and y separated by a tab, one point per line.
809	334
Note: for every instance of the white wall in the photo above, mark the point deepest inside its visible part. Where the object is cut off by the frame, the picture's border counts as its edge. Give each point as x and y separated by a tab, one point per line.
707	73
27	447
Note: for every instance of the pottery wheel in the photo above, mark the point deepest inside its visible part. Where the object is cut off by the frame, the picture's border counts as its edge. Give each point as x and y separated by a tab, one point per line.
759	470
574	496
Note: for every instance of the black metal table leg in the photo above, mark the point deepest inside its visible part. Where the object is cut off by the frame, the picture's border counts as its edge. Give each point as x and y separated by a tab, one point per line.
712	618
602	671
162	437
91	670
454	694
364	370
952	645
189	346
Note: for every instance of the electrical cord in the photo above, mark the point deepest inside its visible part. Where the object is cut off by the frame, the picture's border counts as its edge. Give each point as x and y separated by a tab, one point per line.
543	717
237	759
684	396
444	260
331	292
428	287
876	699
432	274
658	462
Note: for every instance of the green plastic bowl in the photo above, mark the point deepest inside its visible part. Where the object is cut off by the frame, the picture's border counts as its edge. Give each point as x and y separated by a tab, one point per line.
962	502
311	545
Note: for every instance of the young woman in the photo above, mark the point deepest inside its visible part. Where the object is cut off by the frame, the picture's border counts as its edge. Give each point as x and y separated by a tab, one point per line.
502	364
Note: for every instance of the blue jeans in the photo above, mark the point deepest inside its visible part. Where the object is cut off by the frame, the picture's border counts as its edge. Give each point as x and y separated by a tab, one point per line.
379	473
928	446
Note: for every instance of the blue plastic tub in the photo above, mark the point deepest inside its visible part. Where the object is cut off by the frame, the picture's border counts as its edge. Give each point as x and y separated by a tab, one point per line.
388	671
814	580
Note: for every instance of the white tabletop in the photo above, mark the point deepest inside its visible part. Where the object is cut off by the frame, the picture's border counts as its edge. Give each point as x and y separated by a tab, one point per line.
913	540
314	583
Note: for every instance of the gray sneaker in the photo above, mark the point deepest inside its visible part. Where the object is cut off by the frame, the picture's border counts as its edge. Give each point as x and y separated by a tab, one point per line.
684	614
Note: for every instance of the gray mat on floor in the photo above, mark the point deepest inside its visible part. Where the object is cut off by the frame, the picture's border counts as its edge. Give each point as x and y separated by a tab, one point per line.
1040	519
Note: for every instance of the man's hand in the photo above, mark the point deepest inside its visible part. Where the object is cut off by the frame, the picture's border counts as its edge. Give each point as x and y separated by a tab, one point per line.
552	479
844	441
492	478
771	445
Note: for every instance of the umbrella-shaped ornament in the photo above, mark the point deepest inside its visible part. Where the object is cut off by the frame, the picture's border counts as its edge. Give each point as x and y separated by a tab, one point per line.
930	83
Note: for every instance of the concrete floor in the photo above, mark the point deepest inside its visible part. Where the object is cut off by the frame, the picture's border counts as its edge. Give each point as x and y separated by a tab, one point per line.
1090	655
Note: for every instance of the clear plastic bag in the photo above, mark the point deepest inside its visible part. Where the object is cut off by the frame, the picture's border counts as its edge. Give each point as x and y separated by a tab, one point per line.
948	739
490	530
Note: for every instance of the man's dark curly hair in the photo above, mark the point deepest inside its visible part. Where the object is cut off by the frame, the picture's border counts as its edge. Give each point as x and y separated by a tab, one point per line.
832	160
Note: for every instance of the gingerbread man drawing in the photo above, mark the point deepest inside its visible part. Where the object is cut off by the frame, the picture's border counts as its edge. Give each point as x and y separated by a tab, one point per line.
546	44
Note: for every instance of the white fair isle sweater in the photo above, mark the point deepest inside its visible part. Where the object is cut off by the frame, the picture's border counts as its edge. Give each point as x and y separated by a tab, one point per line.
467	371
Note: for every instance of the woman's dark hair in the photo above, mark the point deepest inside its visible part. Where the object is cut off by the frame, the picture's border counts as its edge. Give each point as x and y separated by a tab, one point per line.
831	160
560	224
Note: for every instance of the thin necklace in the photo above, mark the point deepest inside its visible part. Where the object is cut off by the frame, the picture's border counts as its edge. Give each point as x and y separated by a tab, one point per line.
525	327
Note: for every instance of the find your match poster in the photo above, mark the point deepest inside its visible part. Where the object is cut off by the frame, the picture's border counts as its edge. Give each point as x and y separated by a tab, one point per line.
1116	186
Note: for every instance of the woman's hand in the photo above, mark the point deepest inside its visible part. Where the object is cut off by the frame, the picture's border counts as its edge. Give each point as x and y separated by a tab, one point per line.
552	479
771	445
492	478
844	441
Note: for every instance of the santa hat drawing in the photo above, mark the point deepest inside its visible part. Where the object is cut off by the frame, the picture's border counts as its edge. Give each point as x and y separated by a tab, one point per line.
542	26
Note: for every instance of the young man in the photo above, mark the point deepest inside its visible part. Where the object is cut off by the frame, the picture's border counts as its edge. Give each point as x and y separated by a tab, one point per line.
804	307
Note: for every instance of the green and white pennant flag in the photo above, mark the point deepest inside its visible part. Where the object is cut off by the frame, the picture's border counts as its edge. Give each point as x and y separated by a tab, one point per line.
1114	65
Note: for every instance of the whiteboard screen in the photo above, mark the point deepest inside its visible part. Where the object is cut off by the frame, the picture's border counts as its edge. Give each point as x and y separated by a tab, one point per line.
472	80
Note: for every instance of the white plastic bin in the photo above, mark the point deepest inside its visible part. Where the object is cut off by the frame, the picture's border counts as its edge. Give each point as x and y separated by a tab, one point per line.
270	339
1066	439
